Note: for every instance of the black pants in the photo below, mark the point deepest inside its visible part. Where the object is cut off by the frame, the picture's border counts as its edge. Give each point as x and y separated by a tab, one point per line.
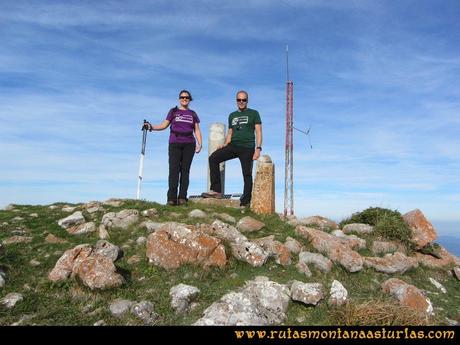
226	153
180	160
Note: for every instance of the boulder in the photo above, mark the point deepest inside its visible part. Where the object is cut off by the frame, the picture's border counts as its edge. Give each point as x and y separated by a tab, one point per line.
332	247
294	246
423	231
120	220
321	222
182	296
307	293
176	244
359	228
321	262
391	263
408	295
276	249
249	224
72	220
242	248
260	302
338	294
96	270
10	300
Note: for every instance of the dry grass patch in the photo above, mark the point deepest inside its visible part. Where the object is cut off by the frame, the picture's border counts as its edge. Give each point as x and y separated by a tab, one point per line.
378	313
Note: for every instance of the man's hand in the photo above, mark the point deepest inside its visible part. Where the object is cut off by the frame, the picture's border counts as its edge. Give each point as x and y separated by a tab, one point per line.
256	155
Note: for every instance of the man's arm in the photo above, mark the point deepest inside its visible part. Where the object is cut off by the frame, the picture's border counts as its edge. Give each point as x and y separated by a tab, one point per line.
258	142
228	138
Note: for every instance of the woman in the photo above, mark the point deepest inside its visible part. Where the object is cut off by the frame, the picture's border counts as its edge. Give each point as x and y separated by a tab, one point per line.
182	146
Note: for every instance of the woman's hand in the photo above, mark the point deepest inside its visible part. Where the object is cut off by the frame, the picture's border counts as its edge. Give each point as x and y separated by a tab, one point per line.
198	148
147	126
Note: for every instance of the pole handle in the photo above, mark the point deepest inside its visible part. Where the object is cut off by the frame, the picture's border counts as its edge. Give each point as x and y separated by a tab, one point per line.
145	126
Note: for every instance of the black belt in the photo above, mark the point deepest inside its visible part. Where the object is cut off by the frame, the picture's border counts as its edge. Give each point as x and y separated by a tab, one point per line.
182	134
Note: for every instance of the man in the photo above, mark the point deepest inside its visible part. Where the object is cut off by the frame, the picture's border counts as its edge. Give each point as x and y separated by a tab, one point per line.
240	142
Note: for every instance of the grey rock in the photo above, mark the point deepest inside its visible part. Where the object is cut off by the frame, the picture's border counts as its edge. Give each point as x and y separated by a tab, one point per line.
294	246
120	306
320	261
226	217
103	233
23	320
113	202
34	262
10	300
182	296
107	249
72	220
121	220
260	302
150	213
359	228
302	267
338	294
141	240
144	311
151	226
197	214
100	323
438	285
308	293
249	224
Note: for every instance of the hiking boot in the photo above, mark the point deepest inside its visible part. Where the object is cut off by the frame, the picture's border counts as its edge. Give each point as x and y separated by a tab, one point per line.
212	194
181	202
171	203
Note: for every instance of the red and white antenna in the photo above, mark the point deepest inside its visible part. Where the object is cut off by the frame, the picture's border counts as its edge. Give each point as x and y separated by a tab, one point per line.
289	149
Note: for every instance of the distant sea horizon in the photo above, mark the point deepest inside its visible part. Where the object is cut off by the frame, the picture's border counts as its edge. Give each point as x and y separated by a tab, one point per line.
448	235
451	243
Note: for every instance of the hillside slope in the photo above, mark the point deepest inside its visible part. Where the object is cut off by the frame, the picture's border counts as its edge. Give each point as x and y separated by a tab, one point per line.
139	290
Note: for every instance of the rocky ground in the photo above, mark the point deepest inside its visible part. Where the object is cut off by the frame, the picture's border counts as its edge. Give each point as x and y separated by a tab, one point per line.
126	262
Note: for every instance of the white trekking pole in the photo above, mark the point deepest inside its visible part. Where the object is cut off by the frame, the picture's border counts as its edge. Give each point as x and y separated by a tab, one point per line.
141	164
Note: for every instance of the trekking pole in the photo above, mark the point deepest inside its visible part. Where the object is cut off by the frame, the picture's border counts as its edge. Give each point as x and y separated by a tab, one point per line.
141	164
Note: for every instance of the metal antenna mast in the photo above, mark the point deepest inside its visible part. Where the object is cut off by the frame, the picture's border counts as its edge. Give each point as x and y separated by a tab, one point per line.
288	155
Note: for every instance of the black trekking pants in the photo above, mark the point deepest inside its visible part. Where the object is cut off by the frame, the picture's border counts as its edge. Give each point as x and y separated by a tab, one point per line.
226	153
180	160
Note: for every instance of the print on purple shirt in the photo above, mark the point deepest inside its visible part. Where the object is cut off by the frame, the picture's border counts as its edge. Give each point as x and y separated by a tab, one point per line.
182	125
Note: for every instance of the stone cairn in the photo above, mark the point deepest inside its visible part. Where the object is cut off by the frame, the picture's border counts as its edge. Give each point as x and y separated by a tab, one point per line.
216	139
263	191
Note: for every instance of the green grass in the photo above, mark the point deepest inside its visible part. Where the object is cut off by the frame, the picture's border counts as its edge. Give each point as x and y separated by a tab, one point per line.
387	224
71	303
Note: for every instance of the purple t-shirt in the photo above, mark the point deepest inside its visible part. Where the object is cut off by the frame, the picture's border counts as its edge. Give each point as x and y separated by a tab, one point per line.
182	125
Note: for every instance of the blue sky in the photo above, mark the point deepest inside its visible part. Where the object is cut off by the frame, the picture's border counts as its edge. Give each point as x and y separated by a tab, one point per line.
377	81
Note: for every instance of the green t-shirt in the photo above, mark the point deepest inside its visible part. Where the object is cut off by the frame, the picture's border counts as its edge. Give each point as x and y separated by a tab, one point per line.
243	125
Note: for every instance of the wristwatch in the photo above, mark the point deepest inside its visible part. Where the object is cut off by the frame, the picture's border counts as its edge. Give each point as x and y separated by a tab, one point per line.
259	148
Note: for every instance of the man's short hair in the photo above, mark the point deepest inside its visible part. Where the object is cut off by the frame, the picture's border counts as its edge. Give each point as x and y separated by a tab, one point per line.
242	91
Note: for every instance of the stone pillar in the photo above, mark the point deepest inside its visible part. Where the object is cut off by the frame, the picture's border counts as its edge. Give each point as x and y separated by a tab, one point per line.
263	191
216	139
